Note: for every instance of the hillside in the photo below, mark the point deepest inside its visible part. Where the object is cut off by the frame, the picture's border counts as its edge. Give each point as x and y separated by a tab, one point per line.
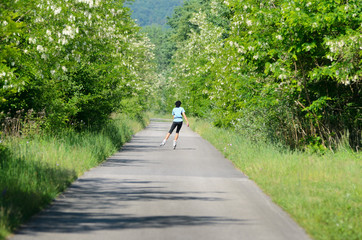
148	12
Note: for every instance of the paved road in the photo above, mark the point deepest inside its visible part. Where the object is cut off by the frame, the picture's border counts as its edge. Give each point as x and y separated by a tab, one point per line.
157	193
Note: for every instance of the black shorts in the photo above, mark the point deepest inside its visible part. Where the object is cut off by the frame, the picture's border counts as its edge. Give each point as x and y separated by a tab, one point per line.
174	125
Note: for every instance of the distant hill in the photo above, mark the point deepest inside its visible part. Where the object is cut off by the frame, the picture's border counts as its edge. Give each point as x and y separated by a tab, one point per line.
148	12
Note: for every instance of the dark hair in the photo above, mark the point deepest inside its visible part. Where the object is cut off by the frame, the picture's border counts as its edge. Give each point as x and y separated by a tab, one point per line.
178	103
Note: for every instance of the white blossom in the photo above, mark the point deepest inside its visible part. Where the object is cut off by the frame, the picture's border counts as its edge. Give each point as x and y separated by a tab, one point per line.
69	31
57	11
40	48
32	40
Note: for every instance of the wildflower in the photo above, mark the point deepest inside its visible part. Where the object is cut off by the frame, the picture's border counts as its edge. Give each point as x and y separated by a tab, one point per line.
279	37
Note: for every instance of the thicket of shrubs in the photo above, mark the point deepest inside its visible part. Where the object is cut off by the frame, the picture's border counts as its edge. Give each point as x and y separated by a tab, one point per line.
285	71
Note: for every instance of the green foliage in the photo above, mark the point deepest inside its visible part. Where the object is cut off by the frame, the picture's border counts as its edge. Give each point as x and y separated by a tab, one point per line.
76	66
277	71
164	47
181	21
199	35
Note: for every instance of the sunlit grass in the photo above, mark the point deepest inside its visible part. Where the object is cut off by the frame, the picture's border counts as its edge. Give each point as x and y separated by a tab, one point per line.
163	116
321	192
34	171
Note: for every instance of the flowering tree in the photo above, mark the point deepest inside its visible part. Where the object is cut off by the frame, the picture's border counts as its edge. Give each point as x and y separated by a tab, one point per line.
301	62
194	62
75	59
197	51
287	70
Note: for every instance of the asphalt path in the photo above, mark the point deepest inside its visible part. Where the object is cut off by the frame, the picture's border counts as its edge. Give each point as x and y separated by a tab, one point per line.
150	192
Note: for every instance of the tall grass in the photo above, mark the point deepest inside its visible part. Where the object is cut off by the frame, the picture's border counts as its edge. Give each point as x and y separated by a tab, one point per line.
321	192
33	171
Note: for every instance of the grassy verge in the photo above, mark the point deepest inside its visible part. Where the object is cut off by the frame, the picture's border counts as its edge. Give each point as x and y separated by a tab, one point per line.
34	171
322	193
164	116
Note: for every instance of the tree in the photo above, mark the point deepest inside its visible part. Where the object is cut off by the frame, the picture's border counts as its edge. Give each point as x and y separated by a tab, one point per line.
281	71
74	59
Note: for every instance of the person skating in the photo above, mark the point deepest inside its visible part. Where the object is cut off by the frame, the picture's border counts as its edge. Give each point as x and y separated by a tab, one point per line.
178	114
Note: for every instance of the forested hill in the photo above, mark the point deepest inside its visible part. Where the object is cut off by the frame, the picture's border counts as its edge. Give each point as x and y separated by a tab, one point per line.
148	12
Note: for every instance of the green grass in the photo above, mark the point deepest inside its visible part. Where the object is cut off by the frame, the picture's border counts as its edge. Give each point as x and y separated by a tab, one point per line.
321	192
161	116
34	171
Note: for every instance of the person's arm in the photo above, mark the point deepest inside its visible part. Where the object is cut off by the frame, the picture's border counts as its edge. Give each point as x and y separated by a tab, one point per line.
184	114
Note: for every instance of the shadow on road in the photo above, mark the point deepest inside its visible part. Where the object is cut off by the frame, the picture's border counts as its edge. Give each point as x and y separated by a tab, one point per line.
85	222
97	198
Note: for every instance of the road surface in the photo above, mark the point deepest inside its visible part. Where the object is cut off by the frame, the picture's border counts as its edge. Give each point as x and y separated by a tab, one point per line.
156	193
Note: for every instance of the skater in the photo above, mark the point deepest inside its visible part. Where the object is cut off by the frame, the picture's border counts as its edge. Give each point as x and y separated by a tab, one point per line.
177	113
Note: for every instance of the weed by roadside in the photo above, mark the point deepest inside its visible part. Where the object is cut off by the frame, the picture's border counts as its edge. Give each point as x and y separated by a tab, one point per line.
33	171
323	193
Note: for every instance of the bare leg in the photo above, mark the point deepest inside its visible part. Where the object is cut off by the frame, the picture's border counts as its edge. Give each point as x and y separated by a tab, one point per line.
176	137
167	136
